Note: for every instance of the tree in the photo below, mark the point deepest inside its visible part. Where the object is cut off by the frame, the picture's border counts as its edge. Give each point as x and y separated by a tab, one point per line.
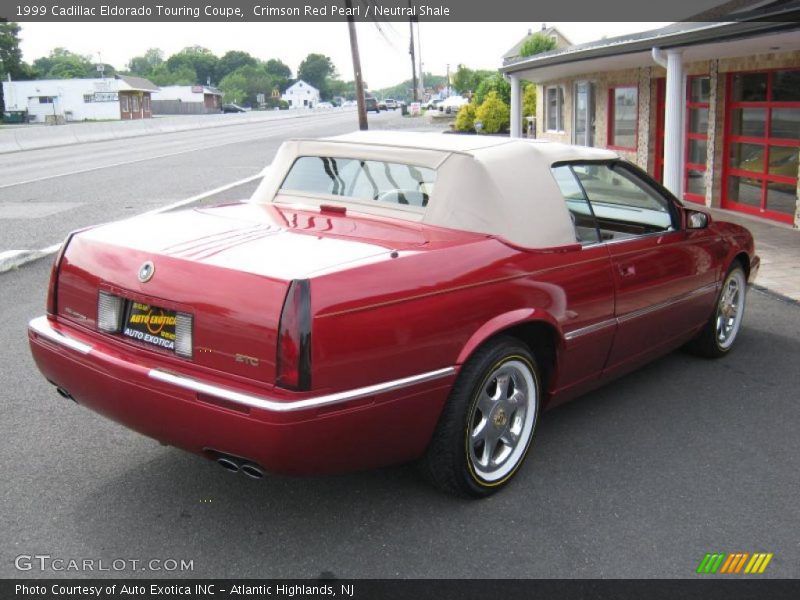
144	65
234	87
63	64
493	83
536	44
493	113
246	83
466	80
232	60
11	62
182	75
529	100
316	70
278	69
10	53
201	60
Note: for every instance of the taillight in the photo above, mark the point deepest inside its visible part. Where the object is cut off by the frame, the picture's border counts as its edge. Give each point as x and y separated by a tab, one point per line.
52	288
109	312
294	338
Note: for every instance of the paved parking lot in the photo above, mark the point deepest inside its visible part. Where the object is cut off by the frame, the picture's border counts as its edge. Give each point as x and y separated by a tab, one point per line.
638	479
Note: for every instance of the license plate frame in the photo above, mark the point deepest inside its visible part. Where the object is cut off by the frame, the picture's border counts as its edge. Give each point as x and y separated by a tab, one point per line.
151	325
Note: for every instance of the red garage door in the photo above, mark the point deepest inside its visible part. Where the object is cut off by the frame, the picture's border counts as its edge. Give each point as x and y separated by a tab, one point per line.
762	143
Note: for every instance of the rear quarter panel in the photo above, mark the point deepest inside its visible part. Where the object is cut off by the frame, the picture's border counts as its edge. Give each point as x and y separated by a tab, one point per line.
429	309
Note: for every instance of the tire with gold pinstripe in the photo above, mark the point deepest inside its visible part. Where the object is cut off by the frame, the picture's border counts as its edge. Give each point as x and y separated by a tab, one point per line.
487	425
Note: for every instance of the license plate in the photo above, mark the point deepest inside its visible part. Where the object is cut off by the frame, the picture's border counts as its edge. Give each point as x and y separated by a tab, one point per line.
150	324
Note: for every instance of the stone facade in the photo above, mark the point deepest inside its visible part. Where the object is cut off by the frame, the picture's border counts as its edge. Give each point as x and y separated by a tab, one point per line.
646	79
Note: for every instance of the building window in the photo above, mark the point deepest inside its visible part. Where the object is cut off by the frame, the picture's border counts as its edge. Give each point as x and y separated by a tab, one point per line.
88	98
46	100
623	113
123	103
698	92
134	103
763	143
554	108
146	102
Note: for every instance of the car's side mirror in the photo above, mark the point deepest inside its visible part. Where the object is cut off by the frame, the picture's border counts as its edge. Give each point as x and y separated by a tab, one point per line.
696	219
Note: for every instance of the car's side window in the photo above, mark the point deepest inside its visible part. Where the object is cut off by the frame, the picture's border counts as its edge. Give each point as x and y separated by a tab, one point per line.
624	205
579	208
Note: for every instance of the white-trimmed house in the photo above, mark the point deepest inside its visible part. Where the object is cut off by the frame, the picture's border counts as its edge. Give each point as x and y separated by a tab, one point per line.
710	109
301	95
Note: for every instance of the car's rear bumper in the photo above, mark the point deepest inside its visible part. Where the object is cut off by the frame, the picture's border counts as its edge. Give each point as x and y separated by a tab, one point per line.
366	427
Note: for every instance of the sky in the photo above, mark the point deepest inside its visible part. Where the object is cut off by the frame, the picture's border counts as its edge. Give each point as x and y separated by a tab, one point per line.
384	46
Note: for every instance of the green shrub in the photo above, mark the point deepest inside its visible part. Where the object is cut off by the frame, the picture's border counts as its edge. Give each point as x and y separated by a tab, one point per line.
528	103
465	119
495	83
493	113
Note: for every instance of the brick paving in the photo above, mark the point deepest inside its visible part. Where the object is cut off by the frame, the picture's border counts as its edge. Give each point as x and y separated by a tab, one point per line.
778	246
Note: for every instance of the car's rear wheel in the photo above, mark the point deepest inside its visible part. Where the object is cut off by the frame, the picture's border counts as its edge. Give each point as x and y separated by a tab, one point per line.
720	332
487	425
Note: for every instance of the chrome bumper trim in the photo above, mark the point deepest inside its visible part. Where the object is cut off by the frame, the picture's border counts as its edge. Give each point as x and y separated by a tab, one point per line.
41	326
196	385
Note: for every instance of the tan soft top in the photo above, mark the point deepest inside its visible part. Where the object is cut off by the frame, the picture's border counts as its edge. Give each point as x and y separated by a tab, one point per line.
498	186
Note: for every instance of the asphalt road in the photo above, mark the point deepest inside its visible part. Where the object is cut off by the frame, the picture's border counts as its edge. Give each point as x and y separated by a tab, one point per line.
638	479
45	194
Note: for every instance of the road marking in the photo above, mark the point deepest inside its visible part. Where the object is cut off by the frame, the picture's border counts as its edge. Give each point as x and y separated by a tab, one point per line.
202	195
34	210
13	259
280	128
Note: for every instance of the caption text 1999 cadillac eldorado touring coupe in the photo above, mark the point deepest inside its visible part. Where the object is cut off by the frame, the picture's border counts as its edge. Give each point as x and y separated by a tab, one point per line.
385	297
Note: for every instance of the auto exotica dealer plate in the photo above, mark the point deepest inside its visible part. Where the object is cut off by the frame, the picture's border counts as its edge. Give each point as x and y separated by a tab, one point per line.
150	324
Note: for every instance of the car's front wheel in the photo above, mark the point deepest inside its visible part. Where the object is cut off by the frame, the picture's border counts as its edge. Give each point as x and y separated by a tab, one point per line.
719	334
487	425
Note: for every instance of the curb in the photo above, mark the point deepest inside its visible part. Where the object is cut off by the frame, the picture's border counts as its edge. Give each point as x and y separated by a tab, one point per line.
14	259
776	295
39	137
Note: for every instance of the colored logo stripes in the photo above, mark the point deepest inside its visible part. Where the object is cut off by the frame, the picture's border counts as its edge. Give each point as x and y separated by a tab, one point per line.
734	563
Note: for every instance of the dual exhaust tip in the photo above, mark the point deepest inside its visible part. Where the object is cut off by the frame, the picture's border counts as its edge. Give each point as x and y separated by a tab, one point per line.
237	465
233	464
65	394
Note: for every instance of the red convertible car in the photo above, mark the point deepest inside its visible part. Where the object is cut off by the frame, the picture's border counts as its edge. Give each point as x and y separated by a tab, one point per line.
385	297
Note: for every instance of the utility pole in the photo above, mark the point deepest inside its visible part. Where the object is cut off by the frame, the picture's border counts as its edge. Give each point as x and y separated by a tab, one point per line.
362	109
421	75
413	59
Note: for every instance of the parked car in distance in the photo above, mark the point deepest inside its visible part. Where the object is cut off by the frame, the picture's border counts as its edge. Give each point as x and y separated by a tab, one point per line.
391	104
324	105
371	104
432	104
382	105
232	108
386	297
452	104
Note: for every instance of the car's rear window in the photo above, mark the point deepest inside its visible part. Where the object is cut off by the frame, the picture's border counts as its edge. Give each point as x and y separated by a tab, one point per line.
362	180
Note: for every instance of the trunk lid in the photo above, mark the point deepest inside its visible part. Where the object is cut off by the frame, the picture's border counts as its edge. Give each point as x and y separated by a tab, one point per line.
228	267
